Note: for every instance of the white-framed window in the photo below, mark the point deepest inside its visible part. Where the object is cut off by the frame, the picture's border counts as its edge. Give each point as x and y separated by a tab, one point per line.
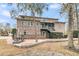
28	23
31	23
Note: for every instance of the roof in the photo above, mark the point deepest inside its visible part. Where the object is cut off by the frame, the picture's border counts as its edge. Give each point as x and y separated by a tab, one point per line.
23	16
60	22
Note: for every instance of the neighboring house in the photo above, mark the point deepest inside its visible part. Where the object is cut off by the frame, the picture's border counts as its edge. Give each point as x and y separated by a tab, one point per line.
38	27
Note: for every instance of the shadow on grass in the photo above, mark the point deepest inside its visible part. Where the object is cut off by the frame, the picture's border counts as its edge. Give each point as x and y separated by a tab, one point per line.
72	50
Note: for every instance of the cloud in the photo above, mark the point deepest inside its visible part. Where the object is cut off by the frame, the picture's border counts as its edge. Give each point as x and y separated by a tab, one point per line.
3	10
54	6
6	13
2	21
3	5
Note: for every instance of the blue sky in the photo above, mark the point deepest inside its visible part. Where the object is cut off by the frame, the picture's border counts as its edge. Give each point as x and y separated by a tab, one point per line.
53	12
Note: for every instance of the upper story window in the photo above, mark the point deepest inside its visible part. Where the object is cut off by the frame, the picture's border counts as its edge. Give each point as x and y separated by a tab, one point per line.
51	24
22	22
43	25
30	23
26	23
37	23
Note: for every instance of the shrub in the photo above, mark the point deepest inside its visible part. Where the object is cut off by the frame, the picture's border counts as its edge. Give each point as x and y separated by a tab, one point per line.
65	36
75	34
56	35
13	31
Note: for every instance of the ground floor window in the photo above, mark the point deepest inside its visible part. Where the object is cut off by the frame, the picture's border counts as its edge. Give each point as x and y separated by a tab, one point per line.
24	33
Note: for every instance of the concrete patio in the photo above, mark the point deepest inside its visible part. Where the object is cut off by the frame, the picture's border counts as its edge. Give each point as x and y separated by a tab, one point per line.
32	42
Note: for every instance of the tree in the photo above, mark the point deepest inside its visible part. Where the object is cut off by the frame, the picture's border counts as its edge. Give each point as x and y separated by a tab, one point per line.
13	32
69	9
8	28
5	29
1	26
34	8
76	7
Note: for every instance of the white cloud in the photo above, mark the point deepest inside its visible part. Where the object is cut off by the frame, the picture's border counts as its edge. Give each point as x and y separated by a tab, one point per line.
1	8
3	11
6	13
2	21
3	5
54	6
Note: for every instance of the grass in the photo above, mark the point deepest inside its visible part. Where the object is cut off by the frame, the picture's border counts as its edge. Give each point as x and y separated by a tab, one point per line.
6	49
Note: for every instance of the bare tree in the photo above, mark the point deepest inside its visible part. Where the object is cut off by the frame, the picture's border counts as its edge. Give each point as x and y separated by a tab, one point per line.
69	9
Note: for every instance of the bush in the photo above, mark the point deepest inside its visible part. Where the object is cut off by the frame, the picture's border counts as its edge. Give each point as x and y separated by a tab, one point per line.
13	31
56	35
75	34
65	36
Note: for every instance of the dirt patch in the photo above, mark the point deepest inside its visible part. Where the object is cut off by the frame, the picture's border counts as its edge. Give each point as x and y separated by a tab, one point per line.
50	49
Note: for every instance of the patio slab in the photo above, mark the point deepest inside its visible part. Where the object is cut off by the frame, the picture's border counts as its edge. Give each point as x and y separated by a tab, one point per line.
32	42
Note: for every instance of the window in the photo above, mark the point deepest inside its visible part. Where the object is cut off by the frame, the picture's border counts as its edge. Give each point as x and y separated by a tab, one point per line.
43	25
28	23
52	24
49	25
31	23
24	23
24	33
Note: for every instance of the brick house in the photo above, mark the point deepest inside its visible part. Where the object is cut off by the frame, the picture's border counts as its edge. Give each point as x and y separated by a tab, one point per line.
38	27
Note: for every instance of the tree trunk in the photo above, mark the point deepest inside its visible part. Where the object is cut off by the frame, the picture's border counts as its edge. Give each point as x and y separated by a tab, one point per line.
70	29
78	38
70	40
77	21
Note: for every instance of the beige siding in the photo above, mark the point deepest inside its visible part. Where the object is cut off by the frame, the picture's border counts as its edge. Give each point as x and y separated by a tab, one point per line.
59	27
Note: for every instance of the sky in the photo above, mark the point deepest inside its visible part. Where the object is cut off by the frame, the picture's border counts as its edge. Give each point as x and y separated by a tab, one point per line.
53	12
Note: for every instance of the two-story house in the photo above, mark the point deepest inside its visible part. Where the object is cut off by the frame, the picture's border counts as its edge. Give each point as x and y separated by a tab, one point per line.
38	27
